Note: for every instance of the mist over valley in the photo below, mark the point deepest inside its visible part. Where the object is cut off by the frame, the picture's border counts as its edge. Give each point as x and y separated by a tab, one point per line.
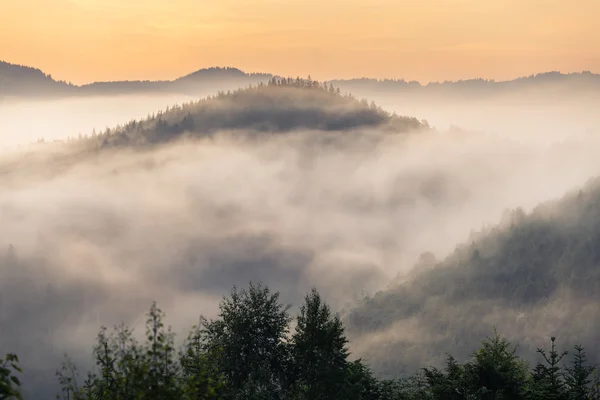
425	219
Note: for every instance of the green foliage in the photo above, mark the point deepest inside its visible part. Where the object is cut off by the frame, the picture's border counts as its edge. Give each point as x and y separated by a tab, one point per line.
319	351
200	376
494	372
512	273
152	370
248	353
578	376
9	382
250	334
497	371
453	383
548	375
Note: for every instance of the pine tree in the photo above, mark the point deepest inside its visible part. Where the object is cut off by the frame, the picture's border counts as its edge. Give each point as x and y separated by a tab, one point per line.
548	380
578	376
319	350
452	384
496	371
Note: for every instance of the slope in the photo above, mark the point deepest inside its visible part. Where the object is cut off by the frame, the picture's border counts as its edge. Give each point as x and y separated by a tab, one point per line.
27	82
283	105
532	276
542	83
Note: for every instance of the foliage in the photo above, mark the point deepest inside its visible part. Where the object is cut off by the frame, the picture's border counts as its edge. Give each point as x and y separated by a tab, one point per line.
249	352
578	375
152	370
531	270
319	351
9	382
250	334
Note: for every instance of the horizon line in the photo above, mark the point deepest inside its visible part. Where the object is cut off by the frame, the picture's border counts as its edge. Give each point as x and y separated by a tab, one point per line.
364	77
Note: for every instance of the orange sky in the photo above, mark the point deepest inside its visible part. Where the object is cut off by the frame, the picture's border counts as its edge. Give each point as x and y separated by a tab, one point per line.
88	40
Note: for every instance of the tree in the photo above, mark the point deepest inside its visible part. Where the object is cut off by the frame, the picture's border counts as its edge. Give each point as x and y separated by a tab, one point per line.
162	368
361	384
126	369
319	351
578	376
250	334
200	377
9	382
452	384
548	380
496	372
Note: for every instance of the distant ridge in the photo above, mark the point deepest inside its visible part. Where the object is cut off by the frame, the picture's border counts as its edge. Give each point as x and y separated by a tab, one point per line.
28	81
221	71
553	81
24	81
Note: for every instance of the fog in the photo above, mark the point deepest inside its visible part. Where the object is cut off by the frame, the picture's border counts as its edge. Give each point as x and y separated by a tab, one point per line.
533	119
100	238
24	121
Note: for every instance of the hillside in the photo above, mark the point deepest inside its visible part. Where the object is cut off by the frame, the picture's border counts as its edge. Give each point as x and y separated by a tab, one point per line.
206	79
23	81
27	81
548	82
242	210
532	276
18	80
279	107
283	105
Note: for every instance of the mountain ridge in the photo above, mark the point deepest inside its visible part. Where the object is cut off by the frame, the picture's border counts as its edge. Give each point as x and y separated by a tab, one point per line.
19	80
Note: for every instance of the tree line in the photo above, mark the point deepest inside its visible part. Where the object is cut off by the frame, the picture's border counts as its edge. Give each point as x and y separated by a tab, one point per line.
279	105
254	349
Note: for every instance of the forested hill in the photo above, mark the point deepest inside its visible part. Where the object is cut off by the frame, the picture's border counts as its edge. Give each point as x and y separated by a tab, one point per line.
545	83
282	105
26	82
206	79
532	276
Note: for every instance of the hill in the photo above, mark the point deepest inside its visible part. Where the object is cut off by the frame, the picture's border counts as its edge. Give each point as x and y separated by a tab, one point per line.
23	81
206	79
282	105
18	80
279	107
533	276
542	83
27	81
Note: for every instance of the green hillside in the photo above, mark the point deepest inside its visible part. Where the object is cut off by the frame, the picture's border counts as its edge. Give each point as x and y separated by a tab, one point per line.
532	276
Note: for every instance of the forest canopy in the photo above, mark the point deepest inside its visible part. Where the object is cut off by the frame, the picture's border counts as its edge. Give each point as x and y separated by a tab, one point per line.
255	349
280	106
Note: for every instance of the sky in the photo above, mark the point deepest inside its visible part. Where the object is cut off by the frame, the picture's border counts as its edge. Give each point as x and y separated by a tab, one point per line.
426	40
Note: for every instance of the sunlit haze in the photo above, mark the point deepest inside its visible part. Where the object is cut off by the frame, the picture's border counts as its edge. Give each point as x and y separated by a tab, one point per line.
225	159
90	40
